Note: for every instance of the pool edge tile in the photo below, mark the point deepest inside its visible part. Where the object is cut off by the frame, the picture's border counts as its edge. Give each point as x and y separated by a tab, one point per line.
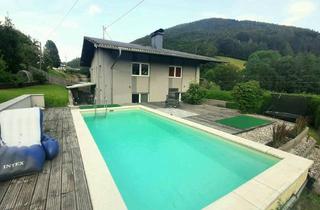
102	188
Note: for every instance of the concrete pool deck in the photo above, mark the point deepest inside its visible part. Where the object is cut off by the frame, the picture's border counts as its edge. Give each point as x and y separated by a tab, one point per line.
265	191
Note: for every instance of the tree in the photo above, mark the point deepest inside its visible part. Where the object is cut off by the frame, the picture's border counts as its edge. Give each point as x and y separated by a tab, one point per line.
260	67
74	63
51	55
18	50
248	96
224	75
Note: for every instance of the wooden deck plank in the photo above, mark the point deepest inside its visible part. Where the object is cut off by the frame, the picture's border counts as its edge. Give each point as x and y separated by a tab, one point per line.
40	192
54	189
26	192
3	189
11	195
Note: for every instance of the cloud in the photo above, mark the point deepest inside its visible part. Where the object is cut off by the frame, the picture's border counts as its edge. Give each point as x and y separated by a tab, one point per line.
94	9
299	10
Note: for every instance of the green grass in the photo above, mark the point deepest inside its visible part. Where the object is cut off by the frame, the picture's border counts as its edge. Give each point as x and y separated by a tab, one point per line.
237	62
243	122
55	95
308	200
57	73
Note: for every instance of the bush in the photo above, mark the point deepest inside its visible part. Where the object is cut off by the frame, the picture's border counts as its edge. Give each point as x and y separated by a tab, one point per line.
219	95
266	102
39	76
195	94
299	126
279	135
317	118
249	96
6	77
225	75
232	105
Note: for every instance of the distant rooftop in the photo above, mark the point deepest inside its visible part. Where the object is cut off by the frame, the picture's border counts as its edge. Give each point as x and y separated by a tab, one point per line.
114	45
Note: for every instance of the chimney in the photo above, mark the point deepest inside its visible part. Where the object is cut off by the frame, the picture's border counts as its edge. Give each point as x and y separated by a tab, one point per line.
157	39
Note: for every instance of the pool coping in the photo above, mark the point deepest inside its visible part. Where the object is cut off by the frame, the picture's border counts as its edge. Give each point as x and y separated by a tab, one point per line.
267	190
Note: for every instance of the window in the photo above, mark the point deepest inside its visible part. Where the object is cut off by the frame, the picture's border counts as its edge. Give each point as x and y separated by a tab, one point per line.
140	69
171	71
135	98
175	71
135	69
145	69
139	98
144	97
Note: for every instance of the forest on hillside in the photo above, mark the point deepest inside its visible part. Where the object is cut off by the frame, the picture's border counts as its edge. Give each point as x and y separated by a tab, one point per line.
238	39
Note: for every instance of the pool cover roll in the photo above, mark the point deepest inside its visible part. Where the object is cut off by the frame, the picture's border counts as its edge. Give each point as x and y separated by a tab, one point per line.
19	161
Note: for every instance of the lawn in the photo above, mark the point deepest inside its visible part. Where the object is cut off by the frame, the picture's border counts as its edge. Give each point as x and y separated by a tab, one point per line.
55	95
237	62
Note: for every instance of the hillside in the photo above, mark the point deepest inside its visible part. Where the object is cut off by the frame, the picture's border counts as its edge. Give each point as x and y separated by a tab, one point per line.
237	39
237	62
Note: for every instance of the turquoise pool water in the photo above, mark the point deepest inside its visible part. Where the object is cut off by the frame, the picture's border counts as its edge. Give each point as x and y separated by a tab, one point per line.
157	163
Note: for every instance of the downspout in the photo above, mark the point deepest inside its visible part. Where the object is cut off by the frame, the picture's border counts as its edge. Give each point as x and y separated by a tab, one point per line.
112	68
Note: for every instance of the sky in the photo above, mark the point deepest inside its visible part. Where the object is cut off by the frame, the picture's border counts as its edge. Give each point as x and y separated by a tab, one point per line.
43	19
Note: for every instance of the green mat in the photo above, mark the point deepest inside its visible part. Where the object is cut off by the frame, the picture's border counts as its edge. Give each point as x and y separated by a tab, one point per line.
98	106
244	122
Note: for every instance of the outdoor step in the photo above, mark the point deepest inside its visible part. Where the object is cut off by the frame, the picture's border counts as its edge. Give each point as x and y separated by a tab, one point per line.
304	148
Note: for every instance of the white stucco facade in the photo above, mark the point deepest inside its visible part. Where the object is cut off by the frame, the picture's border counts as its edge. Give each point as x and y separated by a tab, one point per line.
117	85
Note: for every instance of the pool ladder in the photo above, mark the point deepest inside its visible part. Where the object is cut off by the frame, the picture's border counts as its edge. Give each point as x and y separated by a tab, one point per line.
105	106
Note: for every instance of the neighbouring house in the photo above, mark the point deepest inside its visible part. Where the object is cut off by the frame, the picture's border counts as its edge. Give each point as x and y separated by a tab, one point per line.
129	73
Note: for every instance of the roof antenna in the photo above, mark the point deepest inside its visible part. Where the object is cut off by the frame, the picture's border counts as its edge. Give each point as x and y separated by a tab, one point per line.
103	31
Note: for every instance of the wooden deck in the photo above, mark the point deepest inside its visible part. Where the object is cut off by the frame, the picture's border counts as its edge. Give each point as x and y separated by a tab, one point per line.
62	184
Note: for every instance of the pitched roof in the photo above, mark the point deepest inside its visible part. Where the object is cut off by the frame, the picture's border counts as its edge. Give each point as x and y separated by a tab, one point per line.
107	44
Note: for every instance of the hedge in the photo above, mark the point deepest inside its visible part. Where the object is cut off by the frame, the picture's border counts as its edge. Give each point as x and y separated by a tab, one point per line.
219	95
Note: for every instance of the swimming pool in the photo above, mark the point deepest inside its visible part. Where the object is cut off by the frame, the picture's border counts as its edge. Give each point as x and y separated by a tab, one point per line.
158	163
278	177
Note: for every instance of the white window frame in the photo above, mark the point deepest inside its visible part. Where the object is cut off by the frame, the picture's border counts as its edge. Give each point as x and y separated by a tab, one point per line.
140	69
175	71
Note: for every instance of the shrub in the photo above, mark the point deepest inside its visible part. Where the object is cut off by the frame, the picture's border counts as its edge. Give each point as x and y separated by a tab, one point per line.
232	105
39	76
279	134
225	75
209	85
266	102
249	96
300	125
195	94
317	118
219	95
6	77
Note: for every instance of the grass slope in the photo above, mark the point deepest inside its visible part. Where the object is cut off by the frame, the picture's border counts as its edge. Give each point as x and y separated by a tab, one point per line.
237	62
55	95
